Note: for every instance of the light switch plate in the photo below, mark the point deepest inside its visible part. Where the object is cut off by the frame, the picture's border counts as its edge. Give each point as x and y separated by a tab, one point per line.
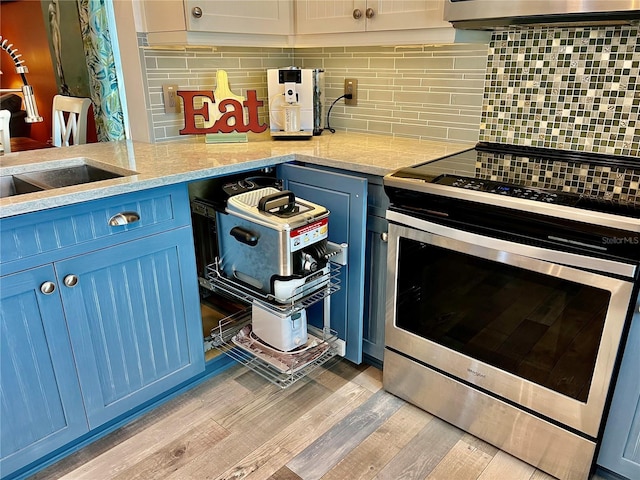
171	102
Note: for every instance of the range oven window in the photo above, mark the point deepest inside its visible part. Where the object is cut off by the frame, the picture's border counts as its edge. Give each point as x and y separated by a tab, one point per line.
538	327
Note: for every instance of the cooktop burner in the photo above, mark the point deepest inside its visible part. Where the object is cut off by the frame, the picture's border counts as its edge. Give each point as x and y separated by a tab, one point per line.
599	183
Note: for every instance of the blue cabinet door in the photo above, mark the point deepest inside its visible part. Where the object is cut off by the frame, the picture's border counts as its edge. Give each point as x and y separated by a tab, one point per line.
41	406
375	289
345	197
620	451
133	316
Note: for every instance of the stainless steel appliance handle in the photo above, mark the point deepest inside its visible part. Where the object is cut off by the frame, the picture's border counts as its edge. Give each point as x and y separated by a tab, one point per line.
553	256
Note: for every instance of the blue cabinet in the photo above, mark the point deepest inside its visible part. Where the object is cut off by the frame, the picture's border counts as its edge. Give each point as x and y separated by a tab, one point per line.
133	334
620	451
375	272
41	407
97	317
345	196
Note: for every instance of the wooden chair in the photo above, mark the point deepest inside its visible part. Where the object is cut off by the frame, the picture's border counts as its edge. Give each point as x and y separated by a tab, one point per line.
5	134
70	120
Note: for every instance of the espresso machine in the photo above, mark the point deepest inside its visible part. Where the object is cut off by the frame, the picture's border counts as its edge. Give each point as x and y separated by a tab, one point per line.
296	102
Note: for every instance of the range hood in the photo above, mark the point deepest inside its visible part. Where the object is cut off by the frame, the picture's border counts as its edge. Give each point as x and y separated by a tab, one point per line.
493	14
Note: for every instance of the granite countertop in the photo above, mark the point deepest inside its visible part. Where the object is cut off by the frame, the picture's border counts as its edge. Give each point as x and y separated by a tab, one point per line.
191	159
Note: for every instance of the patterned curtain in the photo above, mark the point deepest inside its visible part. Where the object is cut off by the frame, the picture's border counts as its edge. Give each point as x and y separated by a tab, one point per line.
102	71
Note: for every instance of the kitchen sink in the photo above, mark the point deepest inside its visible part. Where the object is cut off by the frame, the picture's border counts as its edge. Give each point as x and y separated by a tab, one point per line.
50	178
10	185
65	177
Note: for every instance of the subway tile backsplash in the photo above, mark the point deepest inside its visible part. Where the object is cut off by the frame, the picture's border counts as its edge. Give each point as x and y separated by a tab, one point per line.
194	68
568	88
429	92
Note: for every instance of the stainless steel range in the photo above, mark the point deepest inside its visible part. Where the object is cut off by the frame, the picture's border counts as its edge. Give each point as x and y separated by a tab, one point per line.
511	274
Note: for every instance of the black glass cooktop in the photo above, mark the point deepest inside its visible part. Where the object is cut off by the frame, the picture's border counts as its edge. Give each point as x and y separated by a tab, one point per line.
604	183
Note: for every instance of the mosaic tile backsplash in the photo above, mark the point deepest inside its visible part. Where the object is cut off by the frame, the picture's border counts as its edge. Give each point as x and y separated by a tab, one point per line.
568	88
604	182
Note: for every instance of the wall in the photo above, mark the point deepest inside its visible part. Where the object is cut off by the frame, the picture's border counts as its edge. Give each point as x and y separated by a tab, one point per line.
429	92
568	88
22	23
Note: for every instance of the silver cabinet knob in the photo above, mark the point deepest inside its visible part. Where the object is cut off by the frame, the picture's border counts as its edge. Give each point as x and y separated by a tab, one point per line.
48	288
124	218
357	14
369	12
384	236
196	12
70	280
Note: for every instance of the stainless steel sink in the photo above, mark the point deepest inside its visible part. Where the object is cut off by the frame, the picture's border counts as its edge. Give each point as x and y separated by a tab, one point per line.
65	177
50	178
10	185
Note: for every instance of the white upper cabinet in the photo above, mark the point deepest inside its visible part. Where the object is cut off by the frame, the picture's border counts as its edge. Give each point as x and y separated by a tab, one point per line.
271	22
246	16
206	22
345	16
330	16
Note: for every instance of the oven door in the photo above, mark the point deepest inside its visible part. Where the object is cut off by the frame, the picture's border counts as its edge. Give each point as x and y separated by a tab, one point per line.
538	328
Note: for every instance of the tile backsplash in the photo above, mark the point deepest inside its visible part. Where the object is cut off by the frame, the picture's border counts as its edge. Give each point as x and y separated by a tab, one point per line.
567	88
605	182
429	92
574	88
194	68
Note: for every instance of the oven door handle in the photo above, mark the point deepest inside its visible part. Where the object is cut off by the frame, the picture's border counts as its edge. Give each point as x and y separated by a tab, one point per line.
583	262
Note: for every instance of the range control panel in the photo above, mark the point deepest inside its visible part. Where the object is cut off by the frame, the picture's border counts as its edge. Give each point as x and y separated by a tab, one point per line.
505	189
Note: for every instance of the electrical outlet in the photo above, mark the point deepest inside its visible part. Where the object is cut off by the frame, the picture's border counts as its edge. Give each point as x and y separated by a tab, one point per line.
351	87
171	102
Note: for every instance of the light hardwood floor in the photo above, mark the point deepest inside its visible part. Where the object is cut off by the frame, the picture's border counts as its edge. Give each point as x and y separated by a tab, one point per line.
338	425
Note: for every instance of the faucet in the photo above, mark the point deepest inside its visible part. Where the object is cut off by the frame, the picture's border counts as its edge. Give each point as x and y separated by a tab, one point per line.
30	105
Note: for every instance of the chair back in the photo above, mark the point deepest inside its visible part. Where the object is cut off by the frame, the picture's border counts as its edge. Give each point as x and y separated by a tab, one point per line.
70	120
5	133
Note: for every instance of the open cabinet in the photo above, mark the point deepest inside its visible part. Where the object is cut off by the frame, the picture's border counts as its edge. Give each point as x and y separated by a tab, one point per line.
333	311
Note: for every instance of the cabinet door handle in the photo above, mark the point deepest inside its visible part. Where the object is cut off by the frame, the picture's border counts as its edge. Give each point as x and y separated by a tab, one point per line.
48	288
196	12
369	12
357	14
124	218
384	236
70	280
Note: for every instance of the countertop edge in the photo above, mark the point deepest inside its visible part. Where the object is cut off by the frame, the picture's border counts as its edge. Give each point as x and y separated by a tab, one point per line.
377	156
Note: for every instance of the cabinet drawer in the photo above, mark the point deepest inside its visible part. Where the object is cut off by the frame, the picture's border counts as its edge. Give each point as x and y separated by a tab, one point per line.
73	229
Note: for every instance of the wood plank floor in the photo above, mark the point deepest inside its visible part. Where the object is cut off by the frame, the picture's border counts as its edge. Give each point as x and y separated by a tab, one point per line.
338	425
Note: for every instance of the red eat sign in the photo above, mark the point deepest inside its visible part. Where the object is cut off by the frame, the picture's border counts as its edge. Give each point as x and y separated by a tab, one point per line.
230	109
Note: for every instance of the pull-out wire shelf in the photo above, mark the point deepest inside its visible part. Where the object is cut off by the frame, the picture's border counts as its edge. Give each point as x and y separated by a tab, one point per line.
233	337
325	285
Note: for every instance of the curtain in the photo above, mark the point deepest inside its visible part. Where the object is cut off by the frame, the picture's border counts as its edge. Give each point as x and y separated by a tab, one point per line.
103	81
